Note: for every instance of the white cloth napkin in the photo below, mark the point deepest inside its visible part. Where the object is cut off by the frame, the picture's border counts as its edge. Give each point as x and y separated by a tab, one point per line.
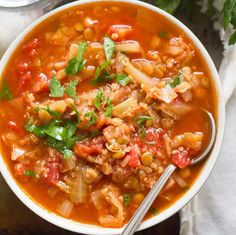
213	210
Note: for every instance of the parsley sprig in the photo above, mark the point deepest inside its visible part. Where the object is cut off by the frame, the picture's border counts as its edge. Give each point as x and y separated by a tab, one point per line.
5	92
108	111
127	199
92	117
99	99
76	64
57	90
100	74
60	135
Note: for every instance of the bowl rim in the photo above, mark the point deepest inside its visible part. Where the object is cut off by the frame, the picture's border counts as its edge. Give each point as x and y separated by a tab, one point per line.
183	200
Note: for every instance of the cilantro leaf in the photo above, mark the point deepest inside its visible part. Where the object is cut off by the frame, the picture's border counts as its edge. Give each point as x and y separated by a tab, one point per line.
142	119
162	34
99	78
30	173
56	132
5	92
71	89
92	117
76	64
55	87
99	99
67	153
127	199
122	79
176	82
153	210
77	113
94	133
37	130
109	47
169	6
50	112
60	135
108	111
143	133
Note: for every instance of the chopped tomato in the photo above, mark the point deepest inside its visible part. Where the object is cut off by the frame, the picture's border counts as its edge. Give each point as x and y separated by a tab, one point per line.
52	175
153	136
41	84
181	159
51	169
134	159
119	32
33	44
152	140
24	79
82	150
23	67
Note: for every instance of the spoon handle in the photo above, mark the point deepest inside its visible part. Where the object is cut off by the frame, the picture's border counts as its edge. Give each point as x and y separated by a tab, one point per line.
147	202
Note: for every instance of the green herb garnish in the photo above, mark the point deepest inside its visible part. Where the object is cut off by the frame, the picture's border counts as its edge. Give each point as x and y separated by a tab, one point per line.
5	92
55	87
60	135
30	173
76	64
50	112
99	76
143	133
162	34
175	83
109	47
77	113
108	111
142	119
92	117
153	210
127	199
94	133
99	99
122	79
71	89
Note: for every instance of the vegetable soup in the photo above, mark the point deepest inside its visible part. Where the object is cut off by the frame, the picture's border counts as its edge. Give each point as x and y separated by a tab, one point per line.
95	103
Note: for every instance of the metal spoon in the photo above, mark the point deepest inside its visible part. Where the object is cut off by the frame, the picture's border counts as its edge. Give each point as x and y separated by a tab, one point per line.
147	202
16	3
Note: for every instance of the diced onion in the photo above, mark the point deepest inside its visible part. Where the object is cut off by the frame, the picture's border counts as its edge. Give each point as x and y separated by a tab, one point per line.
52	191
79	189
129	47
16	153
182	183
69	164
65	208
126	108
64	187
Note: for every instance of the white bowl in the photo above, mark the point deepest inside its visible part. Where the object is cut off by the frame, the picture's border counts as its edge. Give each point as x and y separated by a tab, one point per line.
207	168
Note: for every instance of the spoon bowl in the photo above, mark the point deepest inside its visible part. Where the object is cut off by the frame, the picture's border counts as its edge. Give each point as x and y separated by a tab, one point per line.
16	3
147	202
